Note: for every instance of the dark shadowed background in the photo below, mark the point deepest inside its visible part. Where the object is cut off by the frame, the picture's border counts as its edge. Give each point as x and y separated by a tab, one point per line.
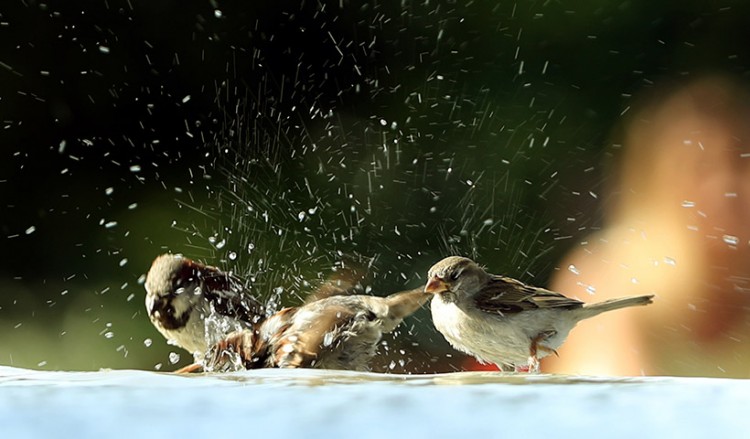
278	139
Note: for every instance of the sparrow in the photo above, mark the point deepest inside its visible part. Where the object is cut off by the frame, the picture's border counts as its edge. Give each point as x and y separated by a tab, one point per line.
501	320
337	332
195	305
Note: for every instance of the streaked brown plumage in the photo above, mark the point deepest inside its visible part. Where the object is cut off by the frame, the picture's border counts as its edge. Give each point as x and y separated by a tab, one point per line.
199	307
503	321
194	305
337	332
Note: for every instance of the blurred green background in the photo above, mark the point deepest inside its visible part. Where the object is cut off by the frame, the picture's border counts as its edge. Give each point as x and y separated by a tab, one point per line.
278	139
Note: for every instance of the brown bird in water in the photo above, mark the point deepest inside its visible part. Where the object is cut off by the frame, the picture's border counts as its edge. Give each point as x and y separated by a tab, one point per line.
195	305
503	321
337	332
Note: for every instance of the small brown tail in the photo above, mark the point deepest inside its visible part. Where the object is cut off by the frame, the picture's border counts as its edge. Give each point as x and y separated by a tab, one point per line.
593	309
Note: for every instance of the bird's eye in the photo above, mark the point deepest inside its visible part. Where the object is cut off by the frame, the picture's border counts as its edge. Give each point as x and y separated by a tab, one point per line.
454	275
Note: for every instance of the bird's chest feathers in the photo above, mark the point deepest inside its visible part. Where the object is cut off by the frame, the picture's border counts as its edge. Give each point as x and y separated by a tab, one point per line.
450	319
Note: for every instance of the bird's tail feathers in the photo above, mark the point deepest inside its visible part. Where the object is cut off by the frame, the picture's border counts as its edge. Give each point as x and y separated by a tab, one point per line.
613	304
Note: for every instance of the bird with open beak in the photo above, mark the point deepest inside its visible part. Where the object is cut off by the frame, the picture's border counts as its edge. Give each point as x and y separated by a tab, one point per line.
503	321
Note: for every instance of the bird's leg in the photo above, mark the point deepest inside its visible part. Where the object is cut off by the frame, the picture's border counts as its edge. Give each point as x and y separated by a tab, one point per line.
190	368
537	347
533	366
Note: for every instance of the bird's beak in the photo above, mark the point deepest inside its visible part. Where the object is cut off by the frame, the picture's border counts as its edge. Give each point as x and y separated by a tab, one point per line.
435	286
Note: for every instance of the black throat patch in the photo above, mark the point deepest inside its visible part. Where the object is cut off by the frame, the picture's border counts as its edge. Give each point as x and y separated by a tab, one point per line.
166	314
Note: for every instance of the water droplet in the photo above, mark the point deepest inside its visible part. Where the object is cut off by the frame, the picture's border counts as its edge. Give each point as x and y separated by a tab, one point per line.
488	222
123	262
42	363
301	216
221	244
135	168
670	261
218	13
572	268
250	247
30	230
730	239
688	204
633	280
109	191
232	256
174	357
590	289
148	342
109	334
157	366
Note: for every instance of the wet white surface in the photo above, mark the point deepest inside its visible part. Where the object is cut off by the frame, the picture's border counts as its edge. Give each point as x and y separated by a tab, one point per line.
309	403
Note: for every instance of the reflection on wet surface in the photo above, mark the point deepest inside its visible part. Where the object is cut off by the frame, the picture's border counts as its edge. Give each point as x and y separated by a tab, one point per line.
272	403
293	377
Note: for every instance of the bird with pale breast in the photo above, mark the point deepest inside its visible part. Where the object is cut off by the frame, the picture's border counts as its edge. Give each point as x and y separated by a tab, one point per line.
195	306
501	320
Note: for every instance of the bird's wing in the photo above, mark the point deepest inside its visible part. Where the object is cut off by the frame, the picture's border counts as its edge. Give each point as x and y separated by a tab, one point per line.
254	346
229	297
251	352
303	345
504	295
342	282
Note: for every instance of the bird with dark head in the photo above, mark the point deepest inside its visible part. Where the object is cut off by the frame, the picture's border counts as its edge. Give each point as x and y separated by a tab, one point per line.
194	305
503	321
